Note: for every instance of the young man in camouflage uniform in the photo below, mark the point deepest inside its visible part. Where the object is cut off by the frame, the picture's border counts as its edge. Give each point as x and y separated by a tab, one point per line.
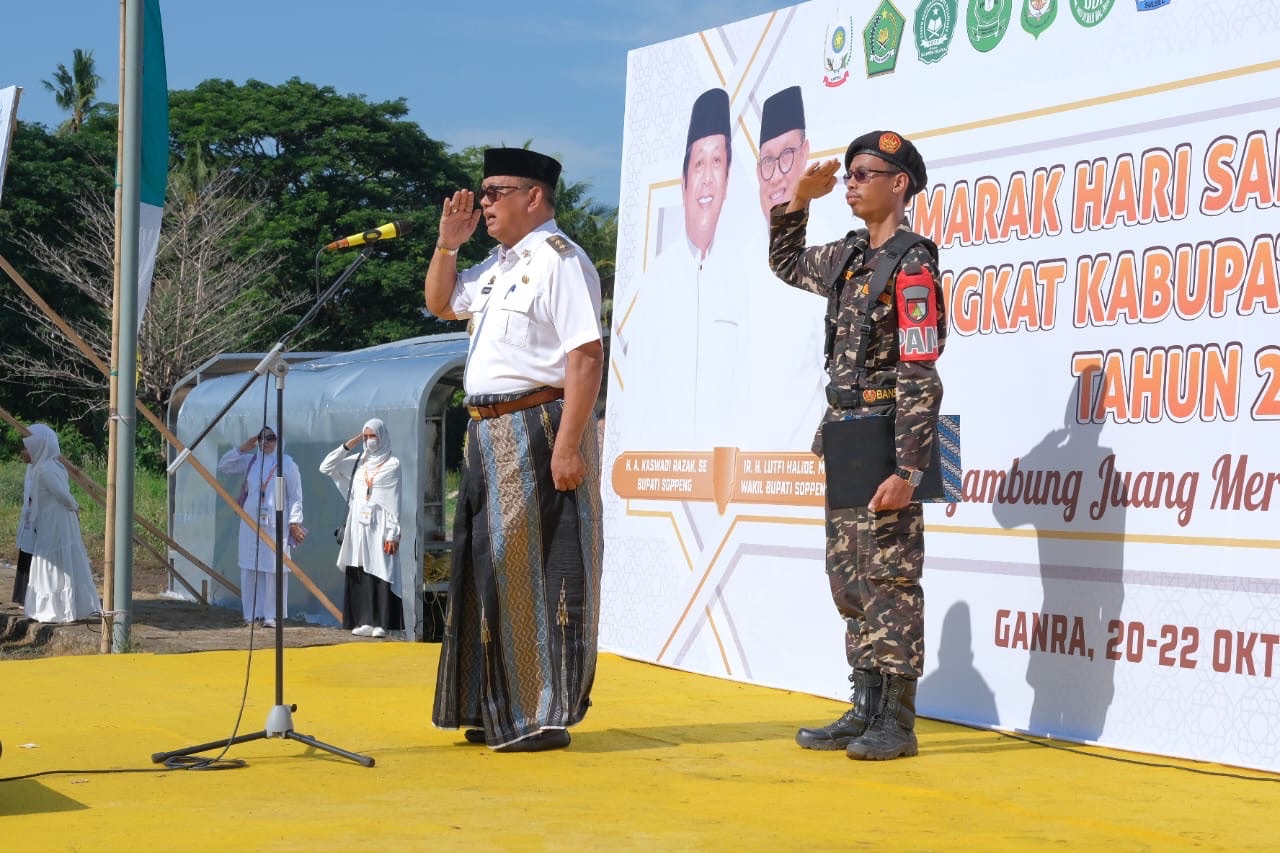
875	553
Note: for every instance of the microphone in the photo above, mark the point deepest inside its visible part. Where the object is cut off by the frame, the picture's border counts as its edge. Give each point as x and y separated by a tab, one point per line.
390	231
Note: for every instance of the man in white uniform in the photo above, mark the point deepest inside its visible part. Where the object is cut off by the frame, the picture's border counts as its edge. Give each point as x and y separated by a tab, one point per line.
519	651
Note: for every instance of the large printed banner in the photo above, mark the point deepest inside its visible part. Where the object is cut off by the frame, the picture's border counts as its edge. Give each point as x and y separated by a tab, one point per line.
1104	177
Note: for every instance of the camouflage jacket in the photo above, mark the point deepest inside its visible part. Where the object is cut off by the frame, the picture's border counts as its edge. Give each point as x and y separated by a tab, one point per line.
915	379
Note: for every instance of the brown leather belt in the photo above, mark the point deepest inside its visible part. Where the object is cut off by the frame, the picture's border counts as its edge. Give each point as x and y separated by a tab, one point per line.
496	410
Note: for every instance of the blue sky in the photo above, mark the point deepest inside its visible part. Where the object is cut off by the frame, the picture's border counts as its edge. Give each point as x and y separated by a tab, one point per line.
471	73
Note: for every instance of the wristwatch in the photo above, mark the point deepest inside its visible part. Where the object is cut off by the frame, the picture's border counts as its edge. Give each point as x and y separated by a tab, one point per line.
911	475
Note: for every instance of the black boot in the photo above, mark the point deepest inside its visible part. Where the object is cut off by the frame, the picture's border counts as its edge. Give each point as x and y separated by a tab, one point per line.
892	733
865	699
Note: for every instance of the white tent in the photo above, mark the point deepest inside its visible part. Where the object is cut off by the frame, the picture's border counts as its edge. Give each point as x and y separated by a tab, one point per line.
409	384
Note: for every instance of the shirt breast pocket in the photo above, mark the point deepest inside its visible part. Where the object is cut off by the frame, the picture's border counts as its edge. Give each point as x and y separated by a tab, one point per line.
515	314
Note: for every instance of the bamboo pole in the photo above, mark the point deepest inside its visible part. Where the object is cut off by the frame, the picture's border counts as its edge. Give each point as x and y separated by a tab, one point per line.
168	436
108	529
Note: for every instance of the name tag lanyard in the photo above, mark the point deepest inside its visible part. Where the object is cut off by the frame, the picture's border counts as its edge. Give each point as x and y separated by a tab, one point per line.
369	478
264	482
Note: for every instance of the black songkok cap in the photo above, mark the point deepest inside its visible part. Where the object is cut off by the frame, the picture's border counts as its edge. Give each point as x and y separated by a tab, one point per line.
521	163
892	148
710	116
782	112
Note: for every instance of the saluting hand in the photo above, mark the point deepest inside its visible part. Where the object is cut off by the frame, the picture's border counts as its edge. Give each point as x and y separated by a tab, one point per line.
459	216
818	180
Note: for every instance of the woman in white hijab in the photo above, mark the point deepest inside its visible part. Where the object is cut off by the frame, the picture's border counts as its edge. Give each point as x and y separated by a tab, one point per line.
57	579
255	459
369	550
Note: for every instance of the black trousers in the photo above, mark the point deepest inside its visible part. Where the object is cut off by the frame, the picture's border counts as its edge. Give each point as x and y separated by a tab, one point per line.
20	579
368	600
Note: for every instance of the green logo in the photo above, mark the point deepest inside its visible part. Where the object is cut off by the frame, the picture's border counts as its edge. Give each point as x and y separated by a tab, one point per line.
882	38
1037	15
935	26
1091	12
987	22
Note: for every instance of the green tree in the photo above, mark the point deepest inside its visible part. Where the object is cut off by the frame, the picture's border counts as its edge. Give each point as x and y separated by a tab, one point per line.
199	282
328	165
47	175
74	90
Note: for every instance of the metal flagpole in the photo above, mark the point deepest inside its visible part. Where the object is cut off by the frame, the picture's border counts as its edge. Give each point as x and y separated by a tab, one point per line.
126	361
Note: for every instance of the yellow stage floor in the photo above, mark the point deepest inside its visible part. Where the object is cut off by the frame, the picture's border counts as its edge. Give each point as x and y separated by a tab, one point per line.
664	761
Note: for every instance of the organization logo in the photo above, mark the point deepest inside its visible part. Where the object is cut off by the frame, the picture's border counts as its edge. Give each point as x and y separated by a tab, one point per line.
934	29
839	49
882	38
1089	13
917	299
1148	5
987	22
879	395
889	142
1037	15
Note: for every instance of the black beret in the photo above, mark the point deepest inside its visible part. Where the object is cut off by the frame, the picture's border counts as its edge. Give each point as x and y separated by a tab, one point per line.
783	111
521	163
710	116
892	148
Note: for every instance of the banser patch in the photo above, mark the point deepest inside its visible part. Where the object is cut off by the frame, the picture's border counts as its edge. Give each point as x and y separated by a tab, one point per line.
917	314
561	245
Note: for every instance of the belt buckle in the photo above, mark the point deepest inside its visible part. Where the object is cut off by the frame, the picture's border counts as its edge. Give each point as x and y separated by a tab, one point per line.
474	411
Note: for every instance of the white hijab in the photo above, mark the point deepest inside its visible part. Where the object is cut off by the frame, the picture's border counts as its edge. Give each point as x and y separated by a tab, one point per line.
42	447
383	450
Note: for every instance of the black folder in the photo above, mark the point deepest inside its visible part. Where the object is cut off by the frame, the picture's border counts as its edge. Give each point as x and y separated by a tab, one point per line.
860	453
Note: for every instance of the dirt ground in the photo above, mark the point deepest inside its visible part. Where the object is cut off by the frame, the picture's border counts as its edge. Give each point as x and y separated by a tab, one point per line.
161	625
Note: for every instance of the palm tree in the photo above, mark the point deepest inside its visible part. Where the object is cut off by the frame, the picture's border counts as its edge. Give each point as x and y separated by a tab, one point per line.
75	90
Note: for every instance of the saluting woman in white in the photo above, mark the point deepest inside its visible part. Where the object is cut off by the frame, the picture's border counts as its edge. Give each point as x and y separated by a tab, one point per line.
369	552
51	556
256	460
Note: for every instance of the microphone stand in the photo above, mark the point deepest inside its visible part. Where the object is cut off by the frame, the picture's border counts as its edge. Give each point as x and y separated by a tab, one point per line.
280	718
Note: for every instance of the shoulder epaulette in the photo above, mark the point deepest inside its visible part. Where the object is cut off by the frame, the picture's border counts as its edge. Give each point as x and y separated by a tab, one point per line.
562	246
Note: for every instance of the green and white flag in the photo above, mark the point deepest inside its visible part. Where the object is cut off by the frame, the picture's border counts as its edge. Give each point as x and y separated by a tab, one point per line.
8	120
155	150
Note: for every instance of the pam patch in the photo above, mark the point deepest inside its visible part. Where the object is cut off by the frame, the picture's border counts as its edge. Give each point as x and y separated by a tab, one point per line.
917	314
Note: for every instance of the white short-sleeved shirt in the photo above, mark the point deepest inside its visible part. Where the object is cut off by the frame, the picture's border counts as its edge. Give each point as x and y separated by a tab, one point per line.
528	307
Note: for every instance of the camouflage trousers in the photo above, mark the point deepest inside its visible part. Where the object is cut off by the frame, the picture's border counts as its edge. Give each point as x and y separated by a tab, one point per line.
874	564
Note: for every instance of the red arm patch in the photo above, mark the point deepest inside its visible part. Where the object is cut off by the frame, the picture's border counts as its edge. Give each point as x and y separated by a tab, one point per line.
917	314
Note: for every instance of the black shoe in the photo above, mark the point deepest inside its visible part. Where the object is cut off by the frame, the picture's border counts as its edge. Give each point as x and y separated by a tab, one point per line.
892	733
474	736
835	735
541	742
853	722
